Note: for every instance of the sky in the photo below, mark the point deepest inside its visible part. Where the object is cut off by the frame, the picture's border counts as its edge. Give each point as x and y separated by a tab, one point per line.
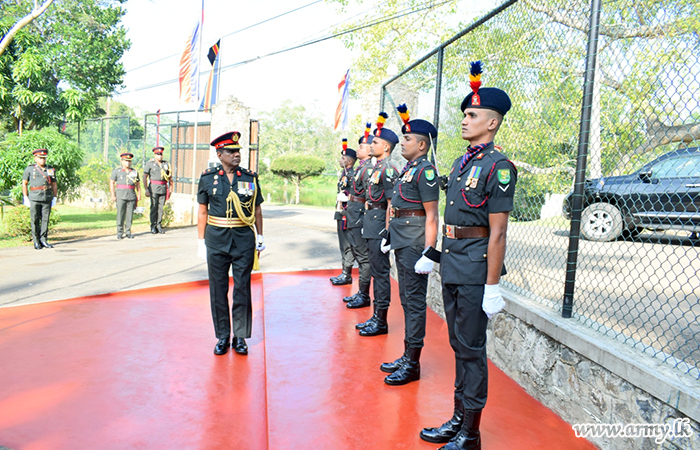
158	29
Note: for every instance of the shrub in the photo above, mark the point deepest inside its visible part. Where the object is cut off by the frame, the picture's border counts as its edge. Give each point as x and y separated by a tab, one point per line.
18	222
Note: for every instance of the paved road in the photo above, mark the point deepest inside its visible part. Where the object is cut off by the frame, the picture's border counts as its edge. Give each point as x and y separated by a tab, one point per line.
297	238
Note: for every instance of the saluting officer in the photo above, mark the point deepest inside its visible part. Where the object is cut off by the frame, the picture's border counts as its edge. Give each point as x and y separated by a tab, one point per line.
479	198
157	184
347	162
126	191
355	214
229	200
413	231
378	194
40	189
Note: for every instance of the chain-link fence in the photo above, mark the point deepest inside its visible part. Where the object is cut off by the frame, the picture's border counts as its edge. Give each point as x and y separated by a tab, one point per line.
624	168
101	139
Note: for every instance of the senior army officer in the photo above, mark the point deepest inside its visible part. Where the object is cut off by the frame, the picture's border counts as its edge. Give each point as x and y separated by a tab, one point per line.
126	191
40	189
479	198
229	213
413	231
157	182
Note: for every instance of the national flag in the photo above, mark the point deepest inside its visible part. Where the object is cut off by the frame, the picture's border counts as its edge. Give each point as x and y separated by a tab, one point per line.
341	113
211	91
189	65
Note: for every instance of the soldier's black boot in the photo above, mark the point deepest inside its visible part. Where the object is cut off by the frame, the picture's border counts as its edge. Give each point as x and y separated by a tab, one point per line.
360	301
449	429
409	370
343	278
469	437
153	230
366	323
221	346
379	326
364	290
394	366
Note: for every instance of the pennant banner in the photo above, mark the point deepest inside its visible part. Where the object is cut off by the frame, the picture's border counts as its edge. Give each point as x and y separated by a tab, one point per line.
210	91
341	112
189	68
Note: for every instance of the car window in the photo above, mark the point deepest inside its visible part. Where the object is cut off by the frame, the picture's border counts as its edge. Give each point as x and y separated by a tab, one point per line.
681	167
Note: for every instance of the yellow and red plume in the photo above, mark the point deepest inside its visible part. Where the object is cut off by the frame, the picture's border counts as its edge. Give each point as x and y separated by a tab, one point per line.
380	122
475	76
403	113
345	145
368	129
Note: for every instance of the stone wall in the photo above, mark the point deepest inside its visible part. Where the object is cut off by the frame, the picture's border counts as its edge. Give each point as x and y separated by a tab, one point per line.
231	115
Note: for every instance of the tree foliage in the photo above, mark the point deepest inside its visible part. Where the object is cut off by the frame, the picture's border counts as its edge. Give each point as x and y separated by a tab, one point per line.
57	66
295	167
16	155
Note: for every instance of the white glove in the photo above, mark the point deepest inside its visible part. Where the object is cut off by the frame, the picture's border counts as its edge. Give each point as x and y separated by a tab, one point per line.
53	202
26	201
260	245
384	247
201	249
423	265
493	301
342	197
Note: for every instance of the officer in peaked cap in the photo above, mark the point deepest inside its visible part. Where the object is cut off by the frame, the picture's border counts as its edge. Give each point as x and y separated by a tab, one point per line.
229	216
413	229
40	189
157	184
124	184
347	162
355	213
378	195
479	198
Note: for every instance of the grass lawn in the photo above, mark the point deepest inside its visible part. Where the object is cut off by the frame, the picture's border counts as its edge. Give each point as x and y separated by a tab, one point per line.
79	223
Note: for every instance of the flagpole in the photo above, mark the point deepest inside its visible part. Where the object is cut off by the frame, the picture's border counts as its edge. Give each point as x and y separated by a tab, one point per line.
196	113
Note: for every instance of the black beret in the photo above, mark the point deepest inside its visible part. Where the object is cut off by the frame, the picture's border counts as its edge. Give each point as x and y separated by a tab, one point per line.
488	98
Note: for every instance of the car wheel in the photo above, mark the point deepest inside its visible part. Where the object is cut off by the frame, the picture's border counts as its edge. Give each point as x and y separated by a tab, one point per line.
601	222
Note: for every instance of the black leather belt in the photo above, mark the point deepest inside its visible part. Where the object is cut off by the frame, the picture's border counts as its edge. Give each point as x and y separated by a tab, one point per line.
355	198
459	232
398	212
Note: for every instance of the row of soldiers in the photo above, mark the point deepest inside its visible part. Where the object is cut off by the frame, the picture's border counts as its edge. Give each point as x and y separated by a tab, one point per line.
40	190
381	208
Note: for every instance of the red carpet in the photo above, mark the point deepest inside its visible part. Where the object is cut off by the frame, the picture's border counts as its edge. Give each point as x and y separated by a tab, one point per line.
136	370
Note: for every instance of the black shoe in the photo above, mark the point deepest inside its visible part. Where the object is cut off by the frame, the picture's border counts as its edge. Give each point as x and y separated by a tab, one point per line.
469	437
221	347
153	230
378	326
409	370
448	430
239	346
46	244
366	323
38	246
129	235
360	301
160	230
350	298
342	279
120	236
393	366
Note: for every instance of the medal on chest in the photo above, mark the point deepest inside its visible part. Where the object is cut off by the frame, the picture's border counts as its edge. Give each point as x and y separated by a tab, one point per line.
408	176
245	188
375	177
51	172
473	178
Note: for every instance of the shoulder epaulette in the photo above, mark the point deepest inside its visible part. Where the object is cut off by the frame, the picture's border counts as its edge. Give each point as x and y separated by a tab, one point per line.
210	170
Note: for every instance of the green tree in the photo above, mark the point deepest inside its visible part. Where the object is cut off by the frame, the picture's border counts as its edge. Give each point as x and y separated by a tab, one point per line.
56	68
16	155
295	167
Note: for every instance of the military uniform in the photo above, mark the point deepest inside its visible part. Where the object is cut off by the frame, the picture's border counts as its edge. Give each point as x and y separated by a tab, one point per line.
40	184
159	176
126	181
230	243
341	219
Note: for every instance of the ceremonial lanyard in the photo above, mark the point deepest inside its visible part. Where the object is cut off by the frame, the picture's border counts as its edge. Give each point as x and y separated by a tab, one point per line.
46	177
471	151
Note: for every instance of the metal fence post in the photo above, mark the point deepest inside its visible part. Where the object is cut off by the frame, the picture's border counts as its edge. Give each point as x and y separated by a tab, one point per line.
581	158
381	98
438	91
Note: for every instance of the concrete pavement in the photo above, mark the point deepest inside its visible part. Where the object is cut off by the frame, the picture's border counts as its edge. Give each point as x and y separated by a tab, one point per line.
297	238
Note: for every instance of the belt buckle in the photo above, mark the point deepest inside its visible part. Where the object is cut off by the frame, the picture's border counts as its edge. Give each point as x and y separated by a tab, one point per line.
393	212
450	231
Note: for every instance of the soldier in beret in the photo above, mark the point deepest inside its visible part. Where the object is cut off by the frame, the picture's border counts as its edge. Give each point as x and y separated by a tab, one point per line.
157	184
413	229
229	200
479	199
40	189
126	192
355	214
378	195
347	162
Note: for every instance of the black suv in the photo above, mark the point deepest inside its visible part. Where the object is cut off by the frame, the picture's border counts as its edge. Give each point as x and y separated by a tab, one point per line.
663	194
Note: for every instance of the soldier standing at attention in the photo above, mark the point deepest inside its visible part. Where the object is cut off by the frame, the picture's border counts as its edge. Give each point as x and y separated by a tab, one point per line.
355	214
347	161
126	191
479	199
378	194
229	200
413	229
40	190
157	184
